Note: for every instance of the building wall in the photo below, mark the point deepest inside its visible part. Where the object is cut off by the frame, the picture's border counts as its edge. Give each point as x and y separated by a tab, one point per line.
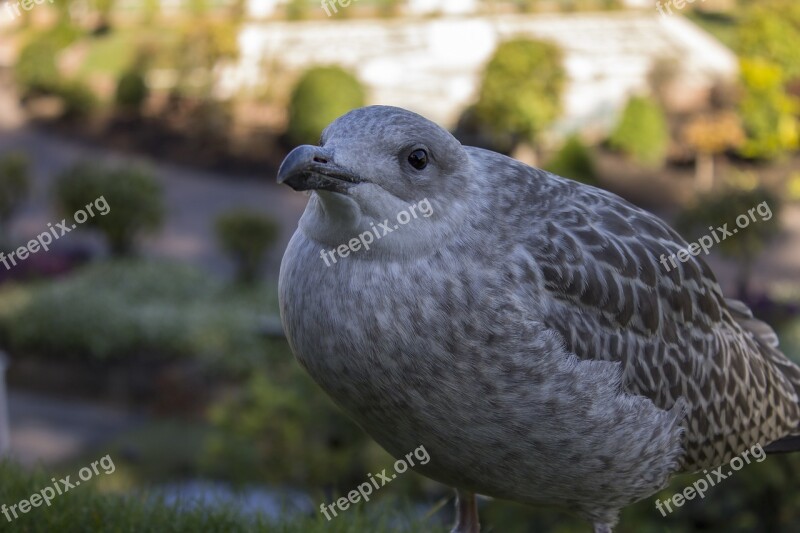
434	66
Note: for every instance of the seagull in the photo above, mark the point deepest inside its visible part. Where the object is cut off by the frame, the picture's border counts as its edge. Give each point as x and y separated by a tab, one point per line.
524	333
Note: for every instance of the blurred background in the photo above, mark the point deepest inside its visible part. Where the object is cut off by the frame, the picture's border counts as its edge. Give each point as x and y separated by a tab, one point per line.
152	334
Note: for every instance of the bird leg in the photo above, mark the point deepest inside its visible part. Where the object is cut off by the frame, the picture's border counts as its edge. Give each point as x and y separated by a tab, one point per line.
466	513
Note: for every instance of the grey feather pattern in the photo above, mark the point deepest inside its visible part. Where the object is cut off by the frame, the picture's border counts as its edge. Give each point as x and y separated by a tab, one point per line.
674	333
525	334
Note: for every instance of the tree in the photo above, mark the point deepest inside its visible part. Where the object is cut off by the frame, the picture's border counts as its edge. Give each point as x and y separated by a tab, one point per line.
202	43
642	132
768	113
770	29
520	93
321	95
710	135
246	236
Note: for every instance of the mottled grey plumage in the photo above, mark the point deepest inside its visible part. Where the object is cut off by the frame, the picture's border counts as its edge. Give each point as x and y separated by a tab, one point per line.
525	333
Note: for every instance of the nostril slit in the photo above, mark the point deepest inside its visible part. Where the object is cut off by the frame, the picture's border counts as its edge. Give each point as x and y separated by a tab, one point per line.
318	159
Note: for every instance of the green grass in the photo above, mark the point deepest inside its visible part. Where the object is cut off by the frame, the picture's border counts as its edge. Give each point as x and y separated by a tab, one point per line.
85	509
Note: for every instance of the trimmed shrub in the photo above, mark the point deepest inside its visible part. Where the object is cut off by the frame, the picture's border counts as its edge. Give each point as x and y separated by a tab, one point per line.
133	195
78	99
574	161
132	91
642	132
155	311
246	236
321	95
520	94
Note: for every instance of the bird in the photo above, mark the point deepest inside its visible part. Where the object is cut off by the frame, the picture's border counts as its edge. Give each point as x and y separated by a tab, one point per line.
524	333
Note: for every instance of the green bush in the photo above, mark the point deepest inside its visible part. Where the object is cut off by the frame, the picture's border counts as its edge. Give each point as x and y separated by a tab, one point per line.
574	161
321	95
36	71
521	91
642	132
78	99
132	91
246	236
280	428
769	30
14	185
767	112
132	194
159	311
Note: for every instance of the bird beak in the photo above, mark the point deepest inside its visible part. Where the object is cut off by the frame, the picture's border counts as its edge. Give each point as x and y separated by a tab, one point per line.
312	168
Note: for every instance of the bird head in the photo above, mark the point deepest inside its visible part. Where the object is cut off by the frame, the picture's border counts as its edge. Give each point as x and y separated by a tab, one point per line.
372	164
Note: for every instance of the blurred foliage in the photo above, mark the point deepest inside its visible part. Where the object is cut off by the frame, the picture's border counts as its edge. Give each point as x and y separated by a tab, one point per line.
714	133
768	113
104	9
151	10
122	309
202	43
296	9
247	236
133	195
132	91
770	29
641	132
321	95
793	187
717	209
77	98
280	428
15	184
709	135
198	8
88	509
574	161
35	70
520	92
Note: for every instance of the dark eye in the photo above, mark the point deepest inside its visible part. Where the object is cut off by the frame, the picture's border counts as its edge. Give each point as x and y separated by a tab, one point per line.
418	159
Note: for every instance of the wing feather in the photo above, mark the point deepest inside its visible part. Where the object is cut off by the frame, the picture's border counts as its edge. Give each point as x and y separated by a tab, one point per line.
602	283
